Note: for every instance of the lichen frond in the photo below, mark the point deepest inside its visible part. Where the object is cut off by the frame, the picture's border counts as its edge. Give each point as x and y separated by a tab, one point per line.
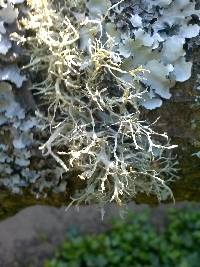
93	111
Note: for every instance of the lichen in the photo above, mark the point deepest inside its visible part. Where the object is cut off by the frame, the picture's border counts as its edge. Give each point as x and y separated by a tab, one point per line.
18	127
160	33
92	102
94	64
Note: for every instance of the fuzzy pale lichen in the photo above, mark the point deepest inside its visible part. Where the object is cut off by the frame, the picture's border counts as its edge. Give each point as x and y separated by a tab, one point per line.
91	99
93	64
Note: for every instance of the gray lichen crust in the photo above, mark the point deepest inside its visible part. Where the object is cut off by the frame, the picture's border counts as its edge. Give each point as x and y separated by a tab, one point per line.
18	127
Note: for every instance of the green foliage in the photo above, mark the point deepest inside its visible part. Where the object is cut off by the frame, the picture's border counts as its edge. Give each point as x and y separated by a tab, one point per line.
136	243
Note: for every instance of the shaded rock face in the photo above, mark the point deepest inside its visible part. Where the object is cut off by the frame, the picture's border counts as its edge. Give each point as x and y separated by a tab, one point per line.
179	117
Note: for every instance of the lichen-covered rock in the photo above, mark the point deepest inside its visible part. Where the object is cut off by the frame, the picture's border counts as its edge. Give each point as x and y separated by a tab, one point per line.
162	32
74	123
17	126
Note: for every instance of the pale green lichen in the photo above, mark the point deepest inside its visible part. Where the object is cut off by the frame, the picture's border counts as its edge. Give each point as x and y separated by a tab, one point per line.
93	112
86	57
